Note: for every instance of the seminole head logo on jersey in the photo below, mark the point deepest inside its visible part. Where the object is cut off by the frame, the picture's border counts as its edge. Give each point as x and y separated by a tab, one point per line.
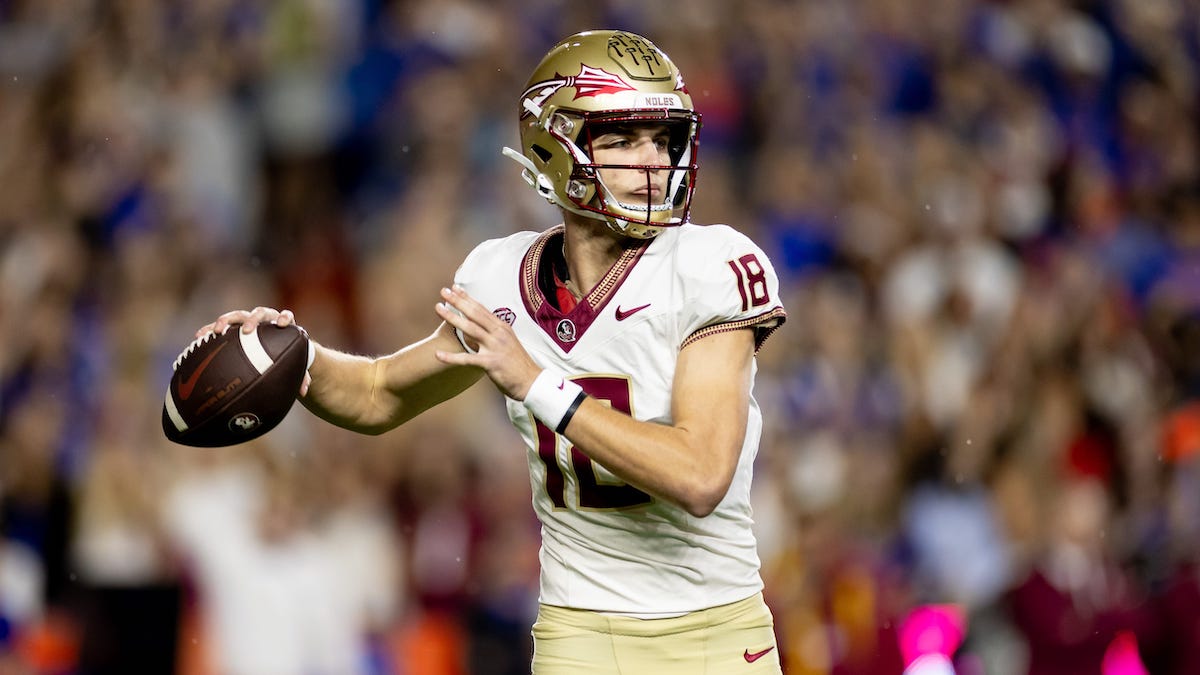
566	330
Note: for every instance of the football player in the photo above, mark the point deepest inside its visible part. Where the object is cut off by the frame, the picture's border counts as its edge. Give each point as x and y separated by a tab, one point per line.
624	341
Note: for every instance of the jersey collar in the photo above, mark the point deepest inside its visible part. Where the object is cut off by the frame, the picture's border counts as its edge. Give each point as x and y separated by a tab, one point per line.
567	328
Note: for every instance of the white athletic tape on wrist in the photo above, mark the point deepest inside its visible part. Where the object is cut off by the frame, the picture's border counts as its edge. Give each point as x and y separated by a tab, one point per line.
553	399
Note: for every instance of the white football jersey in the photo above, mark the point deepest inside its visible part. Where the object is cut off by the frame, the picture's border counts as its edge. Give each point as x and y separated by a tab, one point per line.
606	545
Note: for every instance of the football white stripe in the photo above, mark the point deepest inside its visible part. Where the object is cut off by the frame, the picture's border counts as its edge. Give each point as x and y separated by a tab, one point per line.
173	413
253	348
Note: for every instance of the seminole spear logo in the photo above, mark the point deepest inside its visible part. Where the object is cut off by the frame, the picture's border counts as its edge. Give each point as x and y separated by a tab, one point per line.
589	82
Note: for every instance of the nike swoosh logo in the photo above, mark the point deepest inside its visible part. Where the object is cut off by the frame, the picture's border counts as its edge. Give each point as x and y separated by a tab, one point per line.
186	386
751	658
622	315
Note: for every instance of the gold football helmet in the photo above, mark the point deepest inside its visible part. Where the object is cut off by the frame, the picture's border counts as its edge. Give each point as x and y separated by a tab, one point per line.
591	80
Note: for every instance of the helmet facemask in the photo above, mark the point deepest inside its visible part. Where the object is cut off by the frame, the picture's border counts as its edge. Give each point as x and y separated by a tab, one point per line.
587	192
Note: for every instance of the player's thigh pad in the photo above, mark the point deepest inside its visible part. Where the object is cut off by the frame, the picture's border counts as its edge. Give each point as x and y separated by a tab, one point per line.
731	639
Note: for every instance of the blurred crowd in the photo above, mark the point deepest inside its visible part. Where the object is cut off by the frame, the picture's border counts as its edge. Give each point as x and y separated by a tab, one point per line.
983	415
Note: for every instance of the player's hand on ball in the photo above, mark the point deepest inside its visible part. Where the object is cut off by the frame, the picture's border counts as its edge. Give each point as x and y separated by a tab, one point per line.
498	353
249	320
230	387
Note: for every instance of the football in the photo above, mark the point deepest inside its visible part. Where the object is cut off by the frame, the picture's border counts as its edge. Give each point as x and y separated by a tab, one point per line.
228	388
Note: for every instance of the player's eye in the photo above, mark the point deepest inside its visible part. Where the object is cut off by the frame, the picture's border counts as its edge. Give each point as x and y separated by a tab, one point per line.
619	142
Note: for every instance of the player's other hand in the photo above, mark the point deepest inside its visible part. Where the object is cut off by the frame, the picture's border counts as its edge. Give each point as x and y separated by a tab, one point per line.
499	352
249	320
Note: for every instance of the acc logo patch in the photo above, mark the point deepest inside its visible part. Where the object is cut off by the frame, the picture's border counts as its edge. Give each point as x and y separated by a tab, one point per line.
505	314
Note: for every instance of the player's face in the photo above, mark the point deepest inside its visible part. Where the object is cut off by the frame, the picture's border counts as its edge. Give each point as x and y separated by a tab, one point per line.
634	145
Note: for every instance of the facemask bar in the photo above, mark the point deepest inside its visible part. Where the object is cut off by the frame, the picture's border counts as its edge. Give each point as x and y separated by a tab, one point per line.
584	185
683	125
671	202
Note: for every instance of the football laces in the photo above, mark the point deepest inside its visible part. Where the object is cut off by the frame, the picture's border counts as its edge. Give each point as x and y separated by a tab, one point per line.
191	348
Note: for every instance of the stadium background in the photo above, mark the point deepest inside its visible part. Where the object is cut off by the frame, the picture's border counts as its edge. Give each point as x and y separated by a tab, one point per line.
982	413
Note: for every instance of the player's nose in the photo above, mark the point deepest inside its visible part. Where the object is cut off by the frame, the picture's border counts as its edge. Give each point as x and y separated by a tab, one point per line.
648	152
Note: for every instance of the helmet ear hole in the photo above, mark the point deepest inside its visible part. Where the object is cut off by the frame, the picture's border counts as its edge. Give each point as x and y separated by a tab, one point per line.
542	153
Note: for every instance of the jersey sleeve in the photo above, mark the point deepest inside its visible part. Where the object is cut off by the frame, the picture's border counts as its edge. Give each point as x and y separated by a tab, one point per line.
731	285
469	271
471	274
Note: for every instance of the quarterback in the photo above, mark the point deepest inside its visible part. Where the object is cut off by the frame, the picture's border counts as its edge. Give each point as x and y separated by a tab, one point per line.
624	342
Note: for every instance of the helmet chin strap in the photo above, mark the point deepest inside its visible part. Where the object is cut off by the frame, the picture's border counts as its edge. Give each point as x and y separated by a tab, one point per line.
638	229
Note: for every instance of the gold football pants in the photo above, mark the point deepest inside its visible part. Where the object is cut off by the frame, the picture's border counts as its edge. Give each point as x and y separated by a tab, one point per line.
727	640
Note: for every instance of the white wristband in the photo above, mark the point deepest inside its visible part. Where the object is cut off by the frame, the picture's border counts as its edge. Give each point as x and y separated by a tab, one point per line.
553	399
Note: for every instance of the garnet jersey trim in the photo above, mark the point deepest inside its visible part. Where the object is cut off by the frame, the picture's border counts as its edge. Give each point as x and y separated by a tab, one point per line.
764	324
548	317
